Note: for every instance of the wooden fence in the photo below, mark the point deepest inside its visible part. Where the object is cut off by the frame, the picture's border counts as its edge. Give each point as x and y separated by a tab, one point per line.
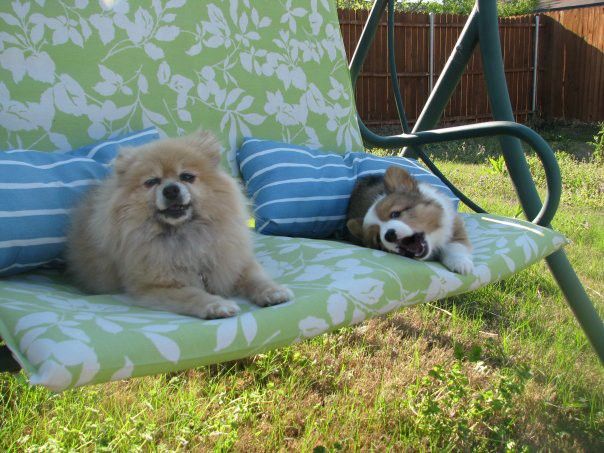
573	85
469	102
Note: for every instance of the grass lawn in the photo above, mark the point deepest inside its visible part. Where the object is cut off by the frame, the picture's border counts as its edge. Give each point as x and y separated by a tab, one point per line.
502	368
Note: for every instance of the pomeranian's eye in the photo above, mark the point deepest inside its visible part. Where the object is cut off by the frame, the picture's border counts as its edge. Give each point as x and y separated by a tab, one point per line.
187	177
152	182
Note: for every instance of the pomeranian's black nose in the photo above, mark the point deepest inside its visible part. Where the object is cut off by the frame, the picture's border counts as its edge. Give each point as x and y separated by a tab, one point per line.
171	191
390	235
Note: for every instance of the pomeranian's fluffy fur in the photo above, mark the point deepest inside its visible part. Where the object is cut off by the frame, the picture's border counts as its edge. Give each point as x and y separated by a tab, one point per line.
169	227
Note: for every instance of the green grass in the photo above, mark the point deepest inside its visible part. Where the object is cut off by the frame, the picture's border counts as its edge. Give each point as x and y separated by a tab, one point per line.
503	368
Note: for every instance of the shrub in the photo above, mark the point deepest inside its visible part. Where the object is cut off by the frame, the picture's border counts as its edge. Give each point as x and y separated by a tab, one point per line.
598	144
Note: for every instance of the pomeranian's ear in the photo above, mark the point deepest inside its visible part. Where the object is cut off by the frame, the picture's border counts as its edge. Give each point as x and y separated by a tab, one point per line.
397	178
206	143
355	226
123	160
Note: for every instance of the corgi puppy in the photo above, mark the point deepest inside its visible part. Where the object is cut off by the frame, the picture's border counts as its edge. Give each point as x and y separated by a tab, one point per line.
398	214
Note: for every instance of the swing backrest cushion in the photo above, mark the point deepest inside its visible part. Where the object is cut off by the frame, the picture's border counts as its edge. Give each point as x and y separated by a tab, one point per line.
76	72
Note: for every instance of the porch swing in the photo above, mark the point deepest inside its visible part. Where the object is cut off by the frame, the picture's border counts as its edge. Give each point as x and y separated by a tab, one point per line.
71	74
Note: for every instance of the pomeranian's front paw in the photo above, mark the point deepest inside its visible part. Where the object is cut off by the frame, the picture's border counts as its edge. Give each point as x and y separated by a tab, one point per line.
221	308
462	264
272	295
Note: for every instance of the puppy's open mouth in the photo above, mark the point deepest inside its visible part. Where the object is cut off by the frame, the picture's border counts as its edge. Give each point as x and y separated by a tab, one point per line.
175	211
414	246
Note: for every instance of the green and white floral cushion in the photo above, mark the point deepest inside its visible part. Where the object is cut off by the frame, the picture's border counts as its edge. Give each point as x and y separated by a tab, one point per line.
76	71
63	338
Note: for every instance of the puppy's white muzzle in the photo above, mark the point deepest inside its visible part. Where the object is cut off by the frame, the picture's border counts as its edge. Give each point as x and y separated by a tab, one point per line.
398	237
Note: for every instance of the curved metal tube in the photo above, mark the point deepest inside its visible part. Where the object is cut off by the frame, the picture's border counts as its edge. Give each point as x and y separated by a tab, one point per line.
365	40
458	193
534	140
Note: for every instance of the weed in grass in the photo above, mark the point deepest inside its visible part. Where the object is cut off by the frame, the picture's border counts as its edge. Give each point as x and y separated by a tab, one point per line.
598	144
497	166
449	410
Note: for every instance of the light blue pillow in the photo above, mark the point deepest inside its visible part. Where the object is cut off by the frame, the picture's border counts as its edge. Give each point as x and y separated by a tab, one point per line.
300	192
39	189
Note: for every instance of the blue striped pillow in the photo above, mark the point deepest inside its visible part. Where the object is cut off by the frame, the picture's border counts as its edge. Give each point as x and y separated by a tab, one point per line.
38	190
302	192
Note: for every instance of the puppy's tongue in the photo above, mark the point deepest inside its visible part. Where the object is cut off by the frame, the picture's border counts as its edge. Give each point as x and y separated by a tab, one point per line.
413	246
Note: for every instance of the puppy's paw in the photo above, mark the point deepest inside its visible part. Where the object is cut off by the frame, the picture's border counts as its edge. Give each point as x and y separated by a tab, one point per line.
272	294
221	308
460	263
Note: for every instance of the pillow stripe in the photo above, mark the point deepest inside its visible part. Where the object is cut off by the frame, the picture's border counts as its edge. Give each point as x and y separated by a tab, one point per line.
45	166
33	212
26	266
36	241
131	140
289	166
24	258
46	185
288	200
38	191
278	150
338	159
303	180
298	191
302	225
295	184
308	219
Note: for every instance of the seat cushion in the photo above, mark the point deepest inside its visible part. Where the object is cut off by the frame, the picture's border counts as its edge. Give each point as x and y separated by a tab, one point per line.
64	338
72	72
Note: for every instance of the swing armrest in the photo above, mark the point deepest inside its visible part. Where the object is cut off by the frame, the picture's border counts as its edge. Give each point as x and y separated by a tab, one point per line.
487	129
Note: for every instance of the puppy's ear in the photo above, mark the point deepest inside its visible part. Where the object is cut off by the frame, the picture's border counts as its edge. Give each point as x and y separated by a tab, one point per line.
397	178
207	144
123	160
355	226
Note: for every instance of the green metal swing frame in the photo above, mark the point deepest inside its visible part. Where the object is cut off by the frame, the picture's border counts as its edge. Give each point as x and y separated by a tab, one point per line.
480	29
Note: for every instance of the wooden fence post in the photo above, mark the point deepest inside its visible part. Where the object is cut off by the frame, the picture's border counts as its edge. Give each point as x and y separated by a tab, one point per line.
535	63
431	80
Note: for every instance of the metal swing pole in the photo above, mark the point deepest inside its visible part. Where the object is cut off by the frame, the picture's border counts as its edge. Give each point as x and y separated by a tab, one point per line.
518	169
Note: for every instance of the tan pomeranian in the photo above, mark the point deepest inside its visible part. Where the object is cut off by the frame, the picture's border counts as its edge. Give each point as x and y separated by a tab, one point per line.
169	227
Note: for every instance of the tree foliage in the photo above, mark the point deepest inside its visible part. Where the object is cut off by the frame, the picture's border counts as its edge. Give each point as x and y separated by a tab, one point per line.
505	7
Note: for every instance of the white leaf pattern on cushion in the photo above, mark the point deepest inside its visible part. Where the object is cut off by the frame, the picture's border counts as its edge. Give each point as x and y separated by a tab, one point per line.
167	347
